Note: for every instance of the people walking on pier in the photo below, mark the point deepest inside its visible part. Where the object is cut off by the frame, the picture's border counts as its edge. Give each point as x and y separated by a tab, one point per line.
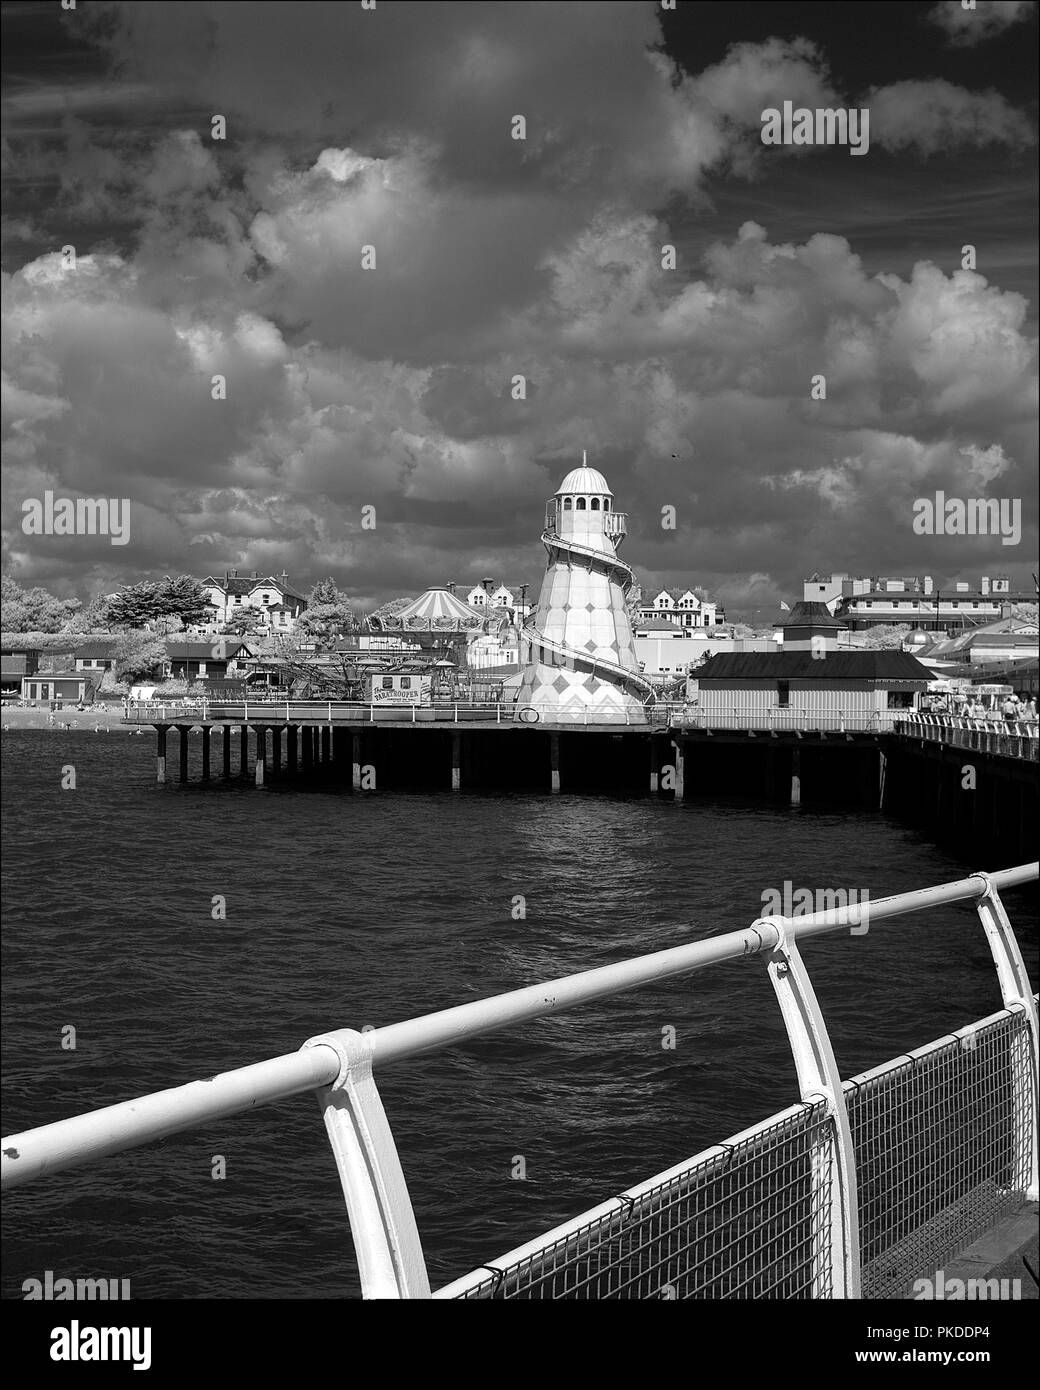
1009	709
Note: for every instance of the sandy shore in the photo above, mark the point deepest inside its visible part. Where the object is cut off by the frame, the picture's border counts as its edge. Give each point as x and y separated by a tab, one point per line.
107	718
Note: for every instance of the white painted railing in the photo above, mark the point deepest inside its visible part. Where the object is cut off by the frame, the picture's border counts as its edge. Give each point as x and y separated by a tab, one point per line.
754	718
340	1066
1019	738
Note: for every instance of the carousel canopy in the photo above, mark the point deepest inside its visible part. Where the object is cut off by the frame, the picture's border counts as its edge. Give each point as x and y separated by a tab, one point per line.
437	609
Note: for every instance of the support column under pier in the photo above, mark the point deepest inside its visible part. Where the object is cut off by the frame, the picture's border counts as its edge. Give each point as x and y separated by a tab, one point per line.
184	730
205	752
326	746
276	752
456	762
306	750
355	758
261	756
796	776
227	750
291	754
243	753
161	730
554	762
680	769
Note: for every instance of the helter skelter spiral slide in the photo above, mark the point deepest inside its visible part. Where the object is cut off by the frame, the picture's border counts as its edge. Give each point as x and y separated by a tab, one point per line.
578	651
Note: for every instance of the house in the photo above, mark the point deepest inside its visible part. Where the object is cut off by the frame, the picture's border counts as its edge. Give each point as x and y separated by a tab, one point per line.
860	689
60	687
681	606
15	663
267	594
189	659
486	595
96	655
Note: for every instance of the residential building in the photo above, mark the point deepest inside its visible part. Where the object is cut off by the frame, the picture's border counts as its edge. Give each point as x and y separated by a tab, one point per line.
189	659
487	595
917	600
277	603
16	663
681	606
98	654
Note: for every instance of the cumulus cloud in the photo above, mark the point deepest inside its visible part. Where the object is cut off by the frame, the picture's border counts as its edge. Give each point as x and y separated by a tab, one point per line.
391	387
934	116
985	20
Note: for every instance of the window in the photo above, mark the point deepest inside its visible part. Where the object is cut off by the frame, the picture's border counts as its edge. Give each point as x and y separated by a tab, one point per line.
566	504
406	682
606	504
783	693
594	504
386	683
579	505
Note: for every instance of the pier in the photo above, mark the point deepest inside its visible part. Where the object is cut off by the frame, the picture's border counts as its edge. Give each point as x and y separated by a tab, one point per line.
853	1189
969	783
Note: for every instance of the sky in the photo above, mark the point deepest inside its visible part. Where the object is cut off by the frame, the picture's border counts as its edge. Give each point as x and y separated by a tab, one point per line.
392	387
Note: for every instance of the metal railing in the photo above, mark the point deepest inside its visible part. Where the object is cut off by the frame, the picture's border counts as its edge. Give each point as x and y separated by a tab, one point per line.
851	1190
260	710
1019	738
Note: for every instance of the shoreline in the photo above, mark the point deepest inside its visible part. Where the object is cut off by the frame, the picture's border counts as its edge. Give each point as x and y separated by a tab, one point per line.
94	717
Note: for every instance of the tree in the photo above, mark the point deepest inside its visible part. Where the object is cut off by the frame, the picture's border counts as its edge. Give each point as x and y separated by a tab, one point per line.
138	656
325	591
33	610
886	637
93	617
328	614
150	600
392	608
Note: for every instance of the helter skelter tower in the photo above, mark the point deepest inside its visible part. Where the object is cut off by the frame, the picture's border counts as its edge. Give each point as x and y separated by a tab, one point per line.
578	654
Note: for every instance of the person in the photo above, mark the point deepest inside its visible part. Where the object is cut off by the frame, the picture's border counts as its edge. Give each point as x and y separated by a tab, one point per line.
1009	709
1029	713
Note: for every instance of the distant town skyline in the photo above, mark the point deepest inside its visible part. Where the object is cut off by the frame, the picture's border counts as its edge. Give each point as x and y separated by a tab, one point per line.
370	426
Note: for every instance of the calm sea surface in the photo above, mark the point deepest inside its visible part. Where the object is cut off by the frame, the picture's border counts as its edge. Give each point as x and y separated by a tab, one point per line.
344	910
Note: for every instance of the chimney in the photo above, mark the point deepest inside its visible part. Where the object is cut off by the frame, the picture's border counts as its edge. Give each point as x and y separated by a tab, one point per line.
985	584
256	574
927	584
450	586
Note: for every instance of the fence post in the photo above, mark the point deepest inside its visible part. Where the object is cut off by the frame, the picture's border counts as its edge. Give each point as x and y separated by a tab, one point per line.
1017	994
834	1160
382	1222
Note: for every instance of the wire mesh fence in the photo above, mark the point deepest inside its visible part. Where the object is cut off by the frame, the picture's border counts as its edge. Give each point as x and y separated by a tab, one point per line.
942	1142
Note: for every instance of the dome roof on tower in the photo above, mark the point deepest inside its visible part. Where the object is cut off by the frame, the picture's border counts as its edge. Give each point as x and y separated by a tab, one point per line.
585	480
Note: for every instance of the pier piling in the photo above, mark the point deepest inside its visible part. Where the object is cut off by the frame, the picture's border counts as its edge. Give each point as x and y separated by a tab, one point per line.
184	730
205	752
554	761
796	777
261	756
160	753
456	764
226	731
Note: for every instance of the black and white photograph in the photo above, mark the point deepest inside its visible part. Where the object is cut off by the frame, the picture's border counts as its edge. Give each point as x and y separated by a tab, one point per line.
519	673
